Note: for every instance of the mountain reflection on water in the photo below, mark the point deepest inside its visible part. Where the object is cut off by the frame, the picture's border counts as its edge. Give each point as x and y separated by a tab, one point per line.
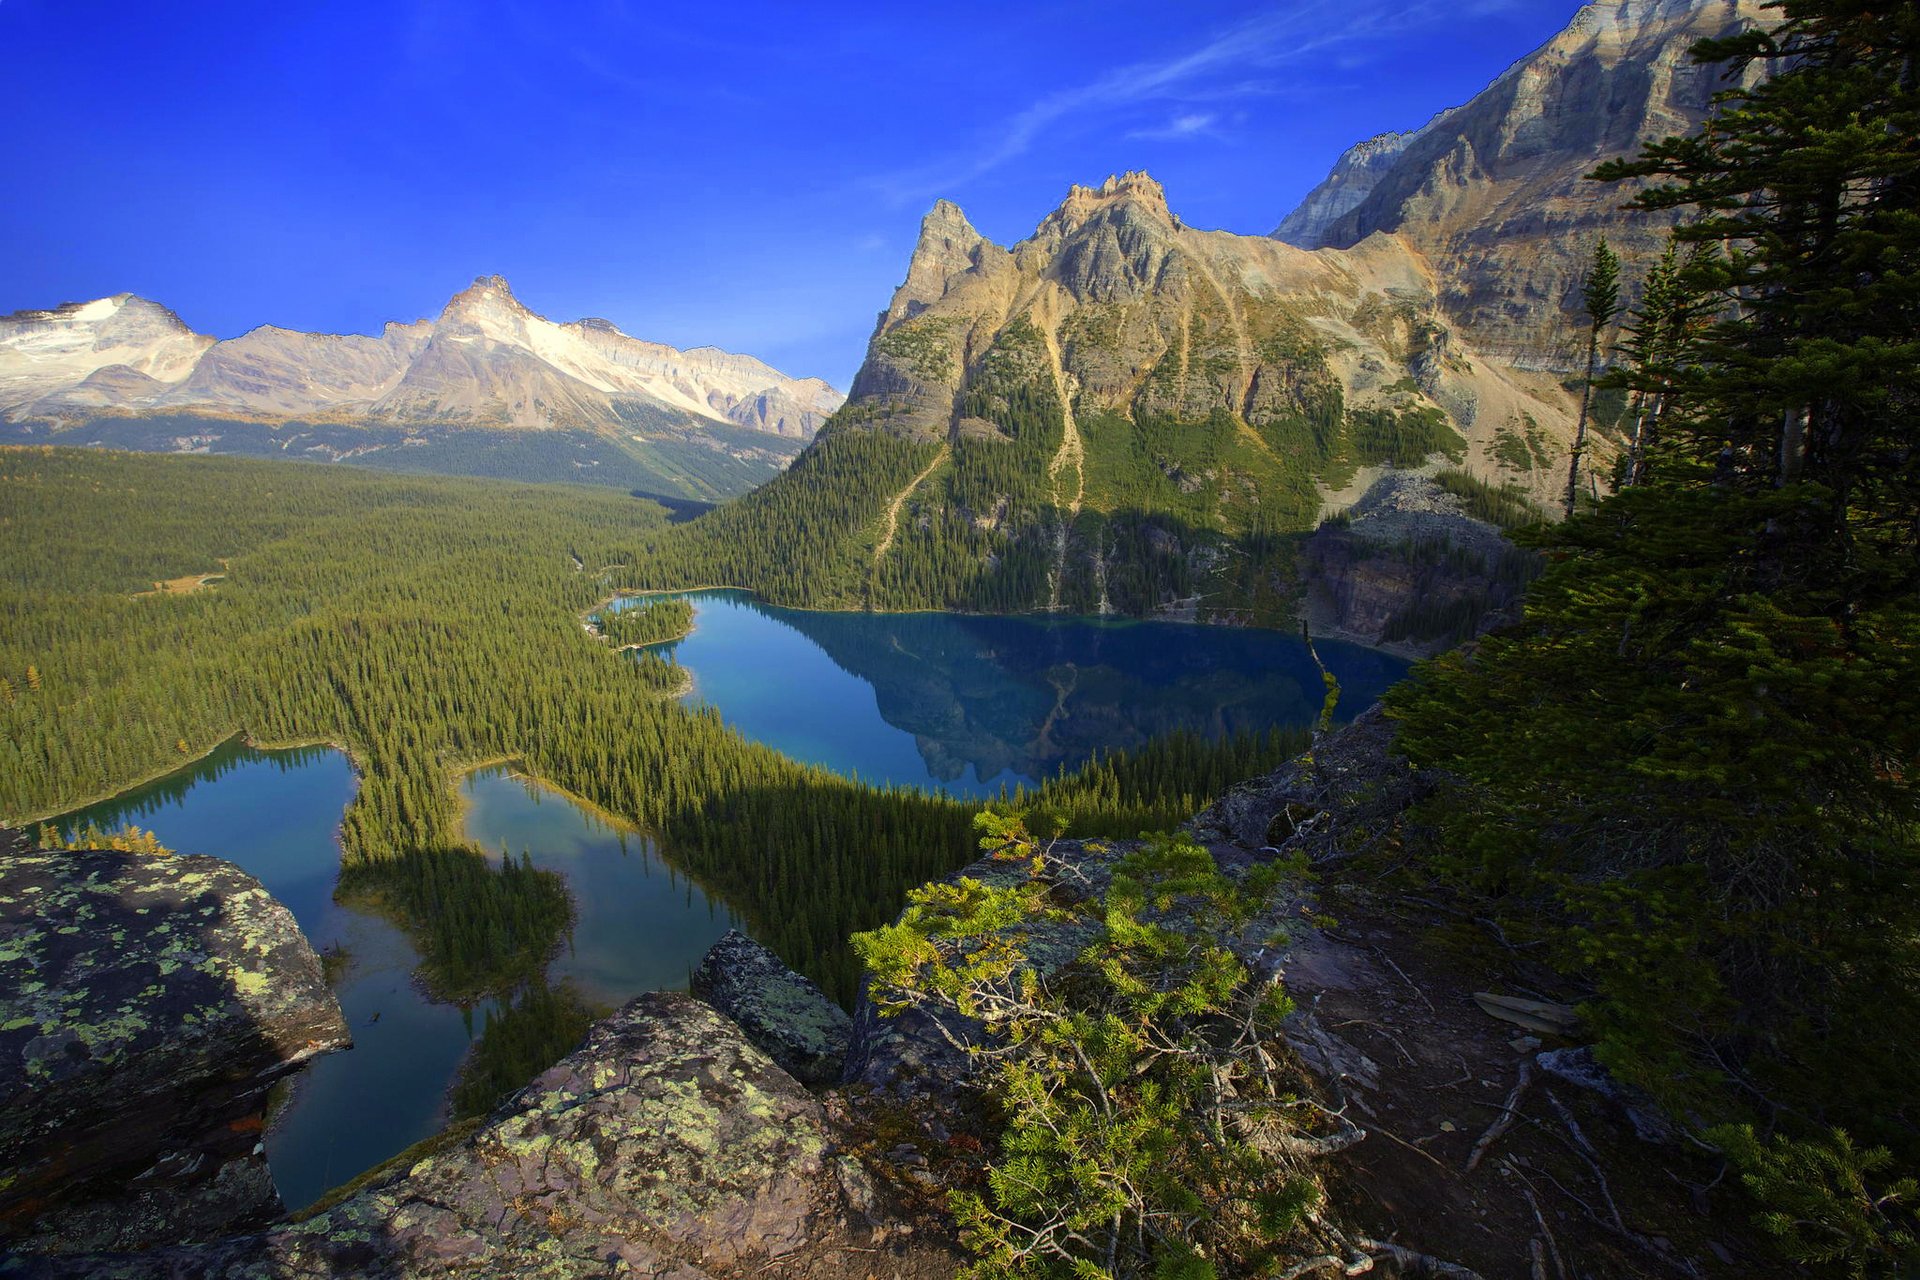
973	702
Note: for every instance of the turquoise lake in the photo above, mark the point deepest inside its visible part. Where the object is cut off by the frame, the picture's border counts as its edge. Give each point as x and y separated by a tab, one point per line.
973	703
968	704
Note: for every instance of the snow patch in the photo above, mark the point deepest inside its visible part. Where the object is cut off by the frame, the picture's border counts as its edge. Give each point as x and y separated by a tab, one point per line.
98	309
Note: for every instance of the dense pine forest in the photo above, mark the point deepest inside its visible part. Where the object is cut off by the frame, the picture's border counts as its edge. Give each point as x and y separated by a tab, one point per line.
426	625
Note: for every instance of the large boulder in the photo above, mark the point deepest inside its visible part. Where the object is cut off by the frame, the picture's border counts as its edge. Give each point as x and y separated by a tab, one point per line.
666	1146
147	1005
782	1012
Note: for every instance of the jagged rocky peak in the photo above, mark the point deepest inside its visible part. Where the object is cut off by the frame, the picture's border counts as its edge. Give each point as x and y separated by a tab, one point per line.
948	245
1133	191
487	304
1110	243
1494	194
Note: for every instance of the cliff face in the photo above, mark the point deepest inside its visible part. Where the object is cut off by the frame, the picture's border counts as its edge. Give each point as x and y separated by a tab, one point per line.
1408	569
1493	194
147	1005
1121	413
1354	176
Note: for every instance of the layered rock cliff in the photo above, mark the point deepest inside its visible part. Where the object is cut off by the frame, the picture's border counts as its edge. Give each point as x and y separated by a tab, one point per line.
1493	194
1122	413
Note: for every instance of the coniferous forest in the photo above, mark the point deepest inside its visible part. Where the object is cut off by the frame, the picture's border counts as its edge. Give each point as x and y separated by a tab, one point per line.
429	624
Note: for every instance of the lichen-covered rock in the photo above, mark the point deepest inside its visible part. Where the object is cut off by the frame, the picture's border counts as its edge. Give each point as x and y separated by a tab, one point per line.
147	1005
666	1146
783	1013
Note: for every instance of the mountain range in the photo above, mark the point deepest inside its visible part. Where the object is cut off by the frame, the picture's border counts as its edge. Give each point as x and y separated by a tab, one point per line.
1123	412
696	423
1120	411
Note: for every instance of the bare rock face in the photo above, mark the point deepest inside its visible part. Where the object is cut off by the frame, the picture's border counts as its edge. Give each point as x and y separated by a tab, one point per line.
1409	570
1494	193
1127	403
147	1005
1353	771
782	1012
1355	174
665	1146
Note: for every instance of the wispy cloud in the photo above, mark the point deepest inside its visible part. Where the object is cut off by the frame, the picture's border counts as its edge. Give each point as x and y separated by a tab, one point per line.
1226	64
1188	124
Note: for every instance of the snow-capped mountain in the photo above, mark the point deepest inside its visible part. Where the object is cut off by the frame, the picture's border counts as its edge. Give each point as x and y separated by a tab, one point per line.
486	361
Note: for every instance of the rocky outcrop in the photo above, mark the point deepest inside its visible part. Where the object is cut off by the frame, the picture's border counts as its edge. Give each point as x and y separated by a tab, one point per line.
485	361
1354	767
665	1146
1407	569
147	1005
1494	195
785	1015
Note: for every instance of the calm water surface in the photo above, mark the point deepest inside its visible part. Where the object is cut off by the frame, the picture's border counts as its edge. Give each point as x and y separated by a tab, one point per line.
277	815
641	927
968	704
639	924
971	704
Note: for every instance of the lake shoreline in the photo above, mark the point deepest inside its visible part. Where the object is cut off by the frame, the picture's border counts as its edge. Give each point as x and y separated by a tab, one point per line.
1221	620
197	758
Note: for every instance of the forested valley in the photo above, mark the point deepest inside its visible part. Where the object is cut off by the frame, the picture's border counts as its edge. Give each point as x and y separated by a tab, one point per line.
427	625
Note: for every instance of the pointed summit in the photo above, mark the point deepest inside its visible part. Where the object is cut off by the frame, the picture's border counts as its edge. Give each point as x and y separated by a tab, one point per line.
948	245
486	293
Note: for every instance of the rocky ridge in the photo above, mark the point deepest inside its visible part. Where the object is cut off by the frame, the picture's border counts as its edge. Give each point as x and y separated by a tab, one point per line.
1124	414
485	361
1142	316
1492	195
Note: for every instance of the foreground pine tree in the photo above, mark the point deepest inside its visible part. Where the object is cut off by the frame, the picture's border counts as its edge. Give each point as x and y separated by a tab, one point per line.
1692	767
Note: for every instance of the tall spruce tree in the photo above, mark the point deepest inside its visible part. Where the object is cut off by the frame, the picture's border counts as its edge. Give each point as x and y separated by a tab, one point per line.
1600	294
1692	767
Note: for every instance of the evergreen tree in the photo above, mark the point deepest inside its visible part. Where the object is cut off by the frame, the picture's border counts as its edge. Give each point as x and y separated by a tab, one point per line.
1692	768
1600	294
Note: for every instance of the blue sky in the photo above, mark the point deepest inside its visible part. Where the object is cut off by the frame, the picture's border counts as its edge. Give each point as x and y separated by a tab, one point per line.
746	175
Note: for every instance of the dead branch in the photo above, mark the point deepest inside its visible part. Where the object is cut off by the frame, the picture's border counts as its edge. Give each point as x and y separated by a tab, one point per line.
1413	1263
1546	1232
1504	1121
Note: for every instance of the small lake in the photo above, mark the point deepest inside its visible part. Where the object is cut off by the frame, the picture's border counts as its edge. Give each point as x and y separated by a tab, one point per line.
973	703
968	704
641	927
